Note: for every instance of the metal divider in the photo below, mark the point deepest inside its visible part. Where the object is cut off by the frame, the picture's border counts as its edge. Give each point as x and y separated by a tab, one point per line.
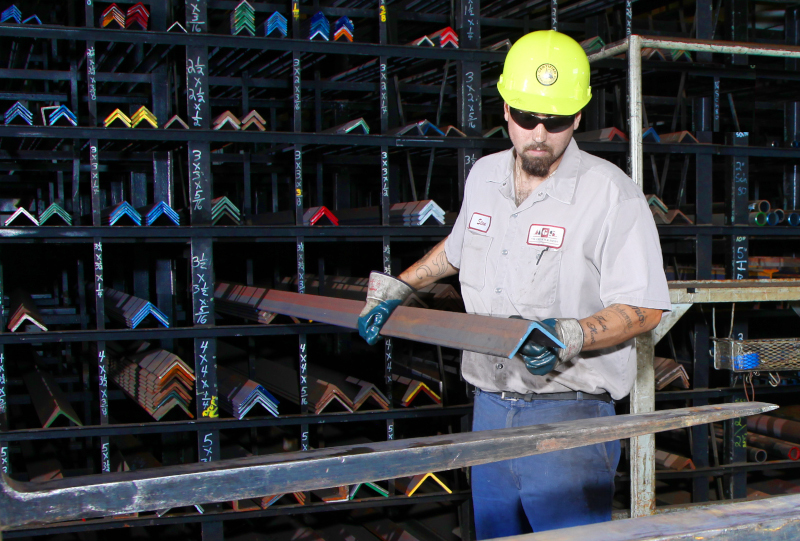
643	393
201	266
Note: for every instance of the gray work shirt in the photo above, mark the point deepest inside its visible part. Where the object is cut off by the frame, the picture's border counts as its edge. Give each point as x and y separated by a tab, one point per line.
583	240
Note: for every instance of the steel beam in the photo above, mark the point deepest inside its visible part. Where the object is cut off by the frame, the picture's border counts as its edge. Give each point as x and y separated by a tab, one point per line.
483	334
708	291
197	483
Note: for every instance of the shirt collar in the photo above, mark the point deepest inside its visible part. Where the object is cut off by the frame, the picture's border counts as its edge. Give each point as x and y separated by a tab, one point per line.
560	186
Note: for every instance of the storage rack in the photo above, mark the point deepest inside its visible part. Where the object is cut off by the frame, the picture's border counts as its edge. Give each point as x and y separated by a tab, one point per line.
161	149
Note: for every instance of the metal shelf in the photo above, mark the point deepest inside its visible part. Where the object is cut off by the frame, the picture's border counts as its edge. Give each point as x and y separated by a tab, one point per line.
169	427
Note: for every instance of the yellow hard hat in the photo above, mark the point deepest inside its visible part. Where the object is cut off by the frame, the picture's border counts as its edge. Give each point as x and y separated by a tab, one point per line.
546	72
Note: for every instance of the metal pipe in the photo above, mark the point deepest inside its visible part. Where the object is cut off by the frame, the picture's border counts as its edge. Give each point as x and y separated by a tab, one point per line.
151	489
761	205
700	45
757	218
635	110
775	427
754	454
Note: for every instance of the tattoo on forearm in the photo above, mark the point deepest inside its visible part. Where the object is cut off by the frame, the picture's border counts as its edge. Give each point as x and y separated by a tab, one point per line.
640	313
592	332
434	268
621	312
602	321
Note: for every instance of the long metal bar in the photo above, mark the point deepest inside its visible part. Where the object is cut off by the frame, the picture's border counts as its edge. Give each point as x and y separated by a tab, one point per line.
708	291
771	519
483	334
157	488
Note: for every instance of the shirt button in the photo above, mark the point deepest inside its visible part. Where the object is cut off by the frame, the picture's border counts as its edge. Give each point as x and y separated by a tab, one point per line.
504	184
498	290
513	215
504	252
499	366
540	194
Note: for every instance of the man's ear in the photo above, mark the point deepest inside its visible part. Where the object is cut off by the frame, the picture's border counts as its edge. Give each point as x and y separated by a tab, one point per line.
577	121
505	111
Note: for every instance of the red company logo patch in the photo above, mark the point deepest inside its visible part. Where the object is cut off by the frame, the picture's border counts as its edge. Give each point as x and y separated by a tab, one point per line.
480	222
549	236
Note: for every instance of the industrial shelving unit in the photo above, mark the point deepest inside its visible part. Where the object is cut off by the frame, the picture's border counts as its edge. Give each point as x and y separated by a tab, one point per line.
303	87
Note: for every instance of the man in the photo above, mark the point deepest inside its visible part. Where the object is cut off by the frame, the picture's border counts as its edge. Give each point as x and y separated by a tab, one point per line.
546	232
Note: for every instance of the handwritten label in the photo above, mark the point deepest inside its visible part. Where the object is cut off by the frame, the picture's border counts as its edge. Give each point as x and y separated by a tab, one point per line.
198	193
102	376
94	169
201	289
470	20
298	178
4	459
382	12
384	173
91	73
105	458
207	448
469	160
2	384
303	374
740	262
716	101
628	17
205	391
304	440
384	91
196	88
471	120
387	258
554	14
296	11
301	267
390	431
98	269
296	83
194	17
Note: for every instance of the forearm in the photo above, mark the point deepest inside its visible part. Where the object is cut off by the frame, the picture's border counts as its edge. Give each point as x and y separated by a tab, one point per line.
431	268
616	324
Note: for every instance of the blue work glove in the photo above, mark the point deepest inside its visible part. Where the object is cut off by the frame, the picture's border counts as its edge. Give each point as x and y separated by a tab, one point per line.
385	293
541	360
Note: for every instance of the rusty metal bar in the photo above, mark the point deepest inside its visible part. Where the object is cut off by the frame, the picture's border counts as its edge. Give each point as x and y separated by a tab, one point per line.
708	291
483	334
197	483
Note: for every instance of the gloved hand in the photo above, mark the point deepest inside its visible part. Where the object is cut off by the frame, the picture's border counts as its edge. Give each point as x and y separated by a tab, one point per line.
539	359
385	293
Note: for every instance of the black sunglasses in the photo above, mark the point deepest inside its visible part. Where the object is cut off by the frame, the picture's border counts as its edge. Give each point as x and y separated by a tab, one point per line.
553	124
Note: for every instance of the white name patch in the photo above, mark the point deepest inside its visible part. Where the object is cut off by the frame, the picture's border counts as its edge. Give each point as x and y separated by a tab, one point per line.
546	235
480	222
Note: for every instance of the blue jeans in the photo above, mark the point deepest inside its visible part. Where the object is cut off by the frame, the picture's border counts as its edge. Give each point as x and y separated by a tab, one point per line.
542	492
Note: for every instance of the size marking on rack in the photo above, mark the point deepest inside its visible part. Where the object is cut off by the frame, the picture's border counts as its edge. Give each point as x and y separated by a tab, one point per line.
94	169
197	180
102	376
296	83
197	89
196	15
91	73
201	288
385	174
2	384
384	90
472	102
105	458
298	181
206	385
98	270
4	464
303	374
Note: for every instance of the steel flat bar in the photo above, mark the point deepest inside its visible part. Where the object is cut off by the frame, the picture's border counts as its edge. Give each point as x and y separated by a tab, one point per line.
197	483
243	43
771	519
691	292
483	334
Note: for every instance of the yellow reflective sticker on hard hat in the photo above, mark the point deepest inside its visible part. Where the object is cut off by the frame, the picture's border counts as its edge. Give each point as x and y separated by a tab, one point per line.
547	74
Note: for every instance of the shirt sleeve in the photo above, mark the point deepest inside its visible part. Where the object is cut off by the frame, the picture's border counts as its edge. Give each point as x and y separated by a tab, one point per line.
631	264
455	241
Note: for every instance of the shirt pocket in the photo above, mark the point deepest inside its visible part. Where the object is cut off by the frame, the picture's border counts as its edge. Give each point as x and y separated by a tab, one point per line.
473	260
539	290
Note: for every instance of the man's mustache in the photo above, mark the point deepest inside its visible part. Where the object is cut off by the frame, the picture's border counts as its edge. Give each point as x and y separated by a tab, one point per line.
540	146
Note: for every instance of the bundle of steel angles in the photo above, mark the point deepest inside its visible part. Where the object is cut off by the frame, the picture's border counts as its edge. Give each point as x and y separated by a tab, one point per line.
222	207
48	399
131	310
24	311
156	379
238	395
241	301
159	213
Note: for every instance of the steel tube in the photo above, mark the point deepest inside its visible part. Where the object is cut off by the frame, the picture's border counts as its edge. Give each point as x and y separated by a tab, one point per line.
781	448
635	109
699	45
775	427
197	483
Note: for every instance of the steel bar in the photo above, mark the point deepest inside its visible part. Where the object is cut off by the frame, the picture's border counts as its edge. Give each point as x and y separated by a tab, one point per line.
493	336
771	519
708	291
189	484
